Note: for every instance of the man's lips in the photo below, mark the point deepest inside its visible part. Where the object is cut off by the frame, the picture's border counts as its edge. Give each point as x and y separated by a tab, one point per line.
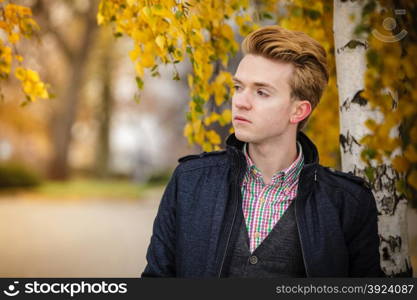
241	119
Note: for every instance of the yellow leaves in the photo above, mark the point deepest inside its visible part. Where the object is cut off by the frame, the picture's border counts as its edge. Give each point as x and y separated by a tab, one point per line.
147	60
135	53
199	56
162	11
199	136
326	113
317	5
227	32
188	131
194	23
411	153
371	124
221	86
245	24
148	18
19	58
160	41
213	137
100	19
219	92
223	119
14	38
390	144
412	179
33	87
146	12
226	117
20	73
13	13
207	147
190	81
213	117
400	164
140	36
409	70
27	74
413	134
131	2
147	57
16	22
5	60
139	69
241	20
196	125
203	68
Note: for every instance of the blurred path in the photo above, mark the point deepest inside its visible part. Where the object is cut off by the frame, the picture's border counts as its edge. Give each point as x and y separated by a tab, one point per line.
89	238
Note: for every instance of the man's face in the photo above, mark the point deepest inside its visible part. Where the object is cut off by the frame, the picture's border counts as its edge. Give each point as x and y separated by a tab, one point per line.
262	97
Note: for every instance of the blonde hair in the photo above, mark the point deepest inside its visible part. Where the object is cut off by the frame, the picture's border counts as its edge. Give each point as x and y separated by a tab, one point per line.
308	57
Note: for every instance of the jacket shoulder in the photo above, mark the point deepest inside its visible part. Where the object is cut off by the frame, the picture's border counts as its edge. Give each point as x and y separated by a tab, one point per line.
201	155
204	159
346	178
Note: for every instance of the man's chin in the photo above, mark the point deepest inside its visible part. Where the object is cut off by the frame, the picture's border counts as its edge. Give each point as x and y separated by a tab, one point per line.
243	137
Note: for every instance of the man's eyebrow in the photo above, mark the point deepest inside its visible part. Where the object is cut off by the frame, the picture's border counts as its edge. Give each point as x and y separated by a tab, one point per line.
260	84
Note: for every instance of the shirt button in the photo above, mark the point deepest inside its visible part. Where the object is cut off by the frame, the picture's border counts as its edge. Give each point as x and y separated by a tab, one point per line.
262	200
253	260
257	235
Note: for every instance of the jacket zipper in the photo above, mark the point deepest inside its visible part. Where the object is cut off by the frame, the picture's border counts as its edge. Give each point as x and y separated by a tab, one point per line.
236	192
298	229
301	242
228	238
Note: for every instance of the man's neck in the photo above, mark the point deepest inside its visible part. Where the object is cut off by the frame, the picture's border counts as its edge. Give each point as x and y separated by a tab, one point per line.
272	156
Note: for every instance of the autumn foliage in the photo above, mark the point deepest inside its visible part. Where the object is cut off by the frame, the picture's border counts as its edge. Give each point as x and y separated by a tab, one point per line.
16	22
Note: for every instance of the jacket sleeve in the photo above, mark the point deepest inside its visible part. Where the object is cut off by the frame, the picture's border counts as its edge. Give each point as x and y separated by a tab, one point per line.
161	251
364	246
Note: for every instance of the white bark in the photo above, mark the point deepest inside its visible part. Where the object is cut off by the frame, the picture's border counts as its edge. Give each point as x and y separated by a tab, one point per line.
350	52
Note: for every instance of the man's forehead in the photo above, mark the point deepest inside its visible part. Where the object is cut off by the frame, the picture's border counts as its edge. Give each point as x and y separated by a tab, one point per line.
256	83
255	69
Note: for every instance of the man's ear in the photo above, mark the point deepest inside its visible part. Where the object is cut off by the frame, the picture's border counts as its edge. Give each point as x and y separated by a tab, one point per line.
301	110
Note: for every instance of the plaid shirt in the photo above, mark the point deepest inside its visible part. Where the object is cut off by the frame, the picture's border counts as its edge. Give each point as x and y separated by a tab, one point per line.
264	204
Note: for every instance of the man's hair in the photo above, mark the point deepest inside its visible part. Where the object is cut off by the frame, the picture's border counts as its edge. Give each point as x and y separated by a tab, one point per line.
308	57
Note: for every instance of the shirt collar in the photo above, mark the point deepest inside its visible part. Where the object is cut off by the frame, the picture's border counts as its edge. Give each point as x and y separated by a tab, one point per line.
287	177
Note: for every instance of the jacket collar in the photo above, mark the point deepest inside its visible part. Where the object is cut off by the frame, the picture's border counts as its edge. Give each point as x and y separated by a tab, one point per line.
310	152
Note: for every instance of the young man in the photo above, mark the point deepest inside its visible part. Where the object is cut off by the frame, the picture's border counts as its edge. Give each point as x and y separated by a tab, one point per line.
264	207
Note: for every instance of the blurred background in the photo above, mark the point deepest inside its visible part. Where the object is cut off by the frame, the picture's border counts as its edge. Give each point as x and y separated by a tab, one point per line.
82	174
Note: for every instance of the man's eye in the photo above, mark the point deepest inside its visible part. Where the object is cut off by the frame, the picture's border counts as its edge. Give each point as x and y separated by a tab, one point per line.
262	93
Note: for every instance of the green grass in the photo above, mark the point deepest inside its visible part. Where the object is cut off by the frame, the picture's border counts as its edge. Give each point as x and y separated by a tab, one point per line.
86	188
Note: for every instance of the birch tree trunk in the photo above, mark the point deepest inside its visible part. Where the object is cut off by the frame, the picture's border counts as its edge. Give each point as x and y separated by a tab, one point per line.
354	110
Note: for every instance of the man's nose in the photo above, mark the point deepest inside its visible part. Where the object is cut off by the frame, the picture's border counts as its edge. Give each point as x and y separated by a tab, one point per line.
242	100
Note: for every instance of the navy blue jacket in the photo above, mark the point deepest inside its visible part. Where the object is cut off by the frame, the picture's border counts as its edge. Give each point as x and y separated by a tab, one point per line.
197	220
